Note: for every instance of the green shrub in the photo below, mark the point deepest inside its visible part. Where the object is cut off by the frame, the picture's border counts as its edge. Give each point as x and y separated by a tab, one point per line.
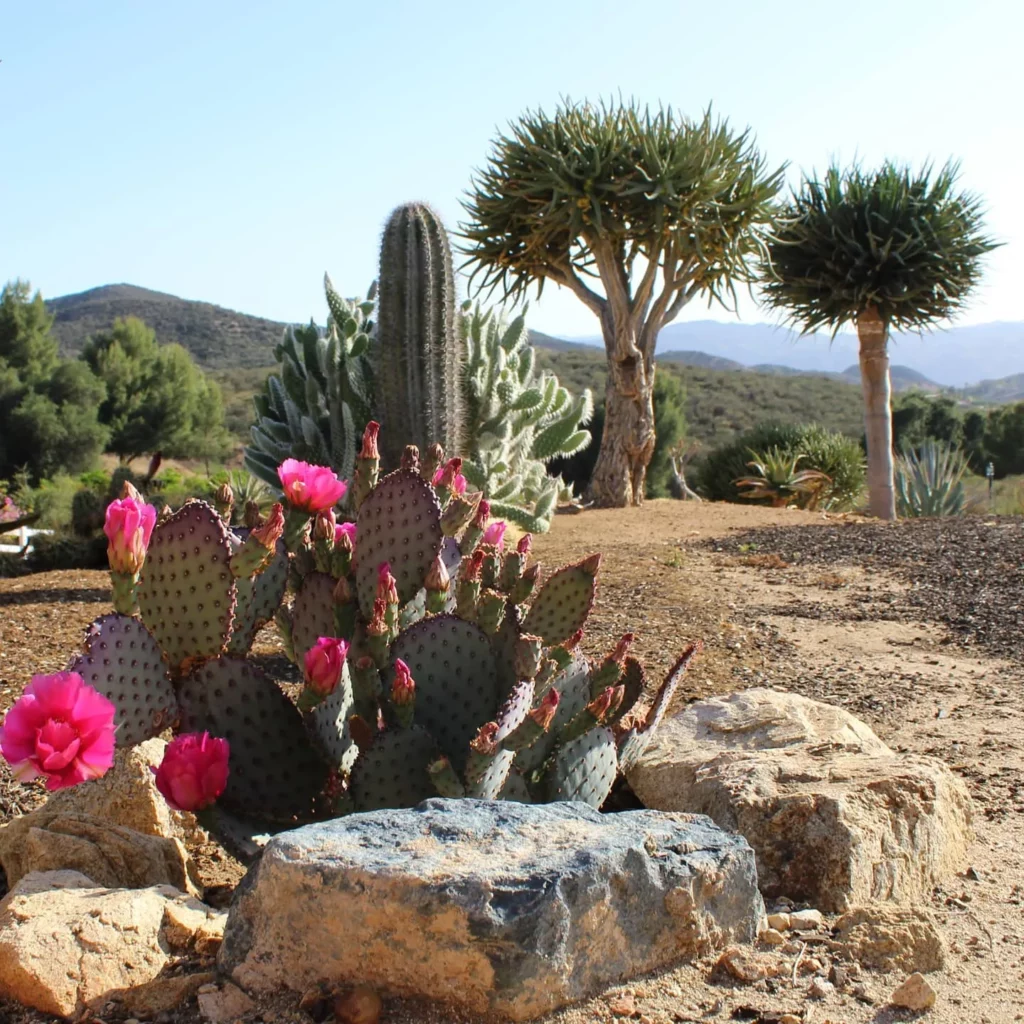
87	512
97	480
837	456
12	565
52	501
64	551
117	480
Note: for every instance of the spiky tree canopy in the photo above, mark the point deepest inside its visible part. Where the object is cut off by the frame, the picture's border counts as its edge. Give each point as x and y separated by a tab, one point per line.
902	243
586	192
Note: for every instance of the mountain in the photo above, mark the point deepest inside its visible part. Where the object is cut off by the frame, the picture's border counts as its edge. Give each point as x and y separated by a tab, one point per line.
218	338
1006	389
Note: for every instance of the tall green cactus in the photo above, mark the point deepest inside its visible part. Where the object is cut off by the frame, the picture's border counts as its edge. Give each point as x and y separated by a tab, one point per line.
418	352
315	410
517	420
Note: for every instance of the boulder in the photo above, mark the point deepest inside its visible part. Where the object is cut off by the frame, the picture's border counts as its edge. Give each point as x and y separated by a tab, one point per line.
111	855
891	938
834	816
489	906
127	795
66	943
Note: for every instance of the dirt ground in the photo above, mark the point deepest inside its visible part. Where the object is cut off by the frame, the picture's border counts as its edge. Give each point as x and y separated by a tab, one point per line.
916	628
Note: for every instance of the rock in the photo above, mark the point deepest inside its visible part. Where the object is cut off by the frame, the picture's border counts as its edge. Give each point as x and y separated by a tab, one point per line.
839	976
863	994
163	994
127	795
780	922
834	816
489	906
807	920
914	994
623	1005
66	943
224	1004
891	938
772	937
360	1005
820	989
112	856
790	1018
747	966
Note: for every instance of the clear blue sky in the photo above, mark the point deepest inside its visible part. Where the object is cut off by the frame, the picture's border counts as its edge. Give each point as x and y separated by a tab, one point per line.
233	151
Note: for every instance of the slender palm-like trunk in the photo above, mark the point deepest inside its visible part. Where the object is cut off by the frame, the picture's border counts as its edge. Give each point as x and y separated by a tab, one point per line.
627	443
873	333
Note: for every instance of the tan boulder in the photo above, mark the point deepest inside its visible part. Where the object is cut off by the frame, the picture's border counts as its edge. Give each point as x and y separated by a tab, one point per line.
914	994
111	855
66	943
127	795
834	816
891	938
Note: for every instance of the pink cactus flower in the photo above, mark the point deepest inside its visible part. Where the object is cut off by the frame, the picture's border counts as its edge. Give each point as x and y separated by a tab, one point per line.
194	771
345	530
494	535
310	488
483	513
403	688
61	728
449	476
129	526
323	664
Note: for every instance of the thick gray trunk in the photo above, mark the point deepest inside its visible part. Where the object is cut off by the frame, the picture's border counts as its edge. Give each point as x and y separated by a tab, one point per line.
873	334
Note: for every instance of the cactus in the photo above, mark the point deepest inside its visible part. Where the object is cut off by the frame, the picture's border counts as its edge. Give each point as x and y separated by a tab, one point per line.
418	353
517	420
456	679
316	407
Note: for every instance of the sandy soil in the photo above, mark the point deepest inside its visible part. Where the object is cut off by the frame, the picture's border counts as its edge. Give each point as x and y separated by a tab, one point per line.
841	614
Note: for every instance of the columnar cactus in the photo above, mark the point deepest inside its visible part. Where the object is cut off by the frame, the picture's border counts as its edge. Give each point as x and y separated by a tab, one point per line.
418	352
316	407
517	421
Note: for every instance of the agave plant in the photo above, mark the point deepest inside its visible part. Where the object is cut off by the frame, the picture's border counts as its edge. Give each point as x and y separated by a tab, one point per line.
930	481
778	478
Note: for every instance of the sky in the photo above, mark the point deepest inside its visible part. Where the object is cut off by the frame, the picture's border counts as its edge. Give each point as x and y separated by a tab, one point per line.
233	152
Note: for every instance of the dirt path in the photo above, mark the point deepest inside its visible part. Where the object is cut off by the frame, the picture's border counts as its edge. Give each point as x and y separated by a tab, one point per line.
844	625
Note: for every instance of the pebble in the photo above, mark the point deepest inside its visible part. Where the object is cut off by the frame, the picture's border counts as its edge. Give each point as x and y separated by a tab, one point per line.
863	994
807	919
914	994
820	989
772	937
839	976
790	1018
780	922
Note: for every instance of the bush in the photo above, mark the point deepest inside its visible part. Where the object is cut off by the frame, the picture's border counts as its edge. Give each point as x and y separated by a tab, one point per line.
117	481
52	500
87	512
63	551
837	456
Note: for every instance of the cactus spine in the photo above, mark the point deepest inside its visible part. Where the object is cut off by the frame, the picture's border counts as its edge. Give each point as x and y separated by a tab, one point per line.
419	353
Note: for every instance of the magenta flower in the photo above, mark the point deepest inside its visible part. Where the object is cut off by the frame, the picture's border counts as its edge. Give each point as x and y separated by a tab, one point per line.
61	728
346	530
403	688
194	771
387	585
449	476
129	525
310	488
324	663
495	534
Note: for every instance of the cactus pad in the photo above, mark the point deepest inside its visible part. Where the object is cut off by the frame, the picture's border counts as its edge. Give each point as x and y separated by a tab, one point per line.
503	643
515	789
573	686
393	772
456	680
634	680
258	598
330	724
187	592
584	769
312	613
123	662
513	712
399	523
563	603
493	780
273	772
417	607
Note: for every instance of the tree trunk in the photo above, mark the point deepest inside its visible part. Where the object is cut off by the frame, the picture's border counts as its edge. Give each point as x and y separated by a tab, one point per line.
873	333
627	443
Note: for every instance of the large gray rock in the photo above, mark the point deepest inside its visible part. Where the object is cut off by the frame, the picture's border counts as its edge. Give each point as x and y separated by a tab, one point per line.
491	907
835	817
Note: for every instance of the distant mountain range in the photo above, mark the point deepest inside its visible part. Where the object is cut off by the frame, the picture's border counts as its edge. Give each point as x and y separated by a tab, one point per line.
222	339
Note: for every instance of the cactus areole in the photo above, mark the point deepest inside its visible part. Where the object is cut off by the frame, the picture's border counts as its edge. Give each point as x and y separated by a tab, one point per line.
436	661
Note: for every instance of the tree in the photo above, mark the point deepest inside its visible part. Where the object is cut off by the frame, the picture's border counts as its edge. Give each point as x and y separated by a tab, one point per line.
917	417
636	213
892	248
157	399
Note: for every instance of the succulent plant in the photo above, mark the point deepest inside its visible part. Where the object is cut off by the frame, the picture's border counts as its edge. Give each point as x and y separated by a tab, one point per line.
435	661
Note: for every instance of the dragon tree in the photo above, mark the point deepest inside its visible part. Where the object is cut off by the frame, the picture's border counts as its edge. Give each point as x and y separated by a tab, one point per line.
636	212
879	250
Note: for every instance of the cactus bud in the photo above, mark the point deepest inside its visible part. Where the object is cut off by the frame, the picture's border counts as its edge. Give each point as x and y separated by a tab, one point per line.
601	705
525	544
476	528
411	458
609	671
252	517
369	448
129	490
378	632
364	478
342	593
543	714
485	742
344	546
403	686
269	532
431	461
483	513
324	526
591	564
474	566
437	585
529	651
223	501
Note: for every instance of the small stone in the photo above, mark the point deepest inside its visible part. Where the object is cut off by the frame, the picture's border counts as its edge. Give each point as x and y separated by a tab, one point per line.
807	920
890	938
161	995
361	1005
781	922
772	937
791	948
820	989
914	994
225	1004
746	966
790	1018
863	994
839	976
623	1005
973	874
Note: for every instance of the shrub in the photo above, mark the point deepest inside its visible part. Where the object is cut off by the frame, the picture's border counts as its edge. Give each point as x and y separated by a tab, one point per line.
64	551
87	510
839	457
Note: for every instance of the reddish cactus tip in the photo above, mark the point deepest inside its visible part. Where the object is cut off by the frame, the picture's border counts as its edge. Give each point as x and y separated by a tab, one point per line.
618	655
525	544
484	742
369	448
544	713
403	686
342	591
574	641
437	576
591	563
600	706
270	532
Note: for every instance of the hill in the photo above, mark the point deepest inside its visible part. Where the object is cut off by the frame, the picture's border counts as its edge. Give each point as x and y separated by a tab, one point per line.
218	338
